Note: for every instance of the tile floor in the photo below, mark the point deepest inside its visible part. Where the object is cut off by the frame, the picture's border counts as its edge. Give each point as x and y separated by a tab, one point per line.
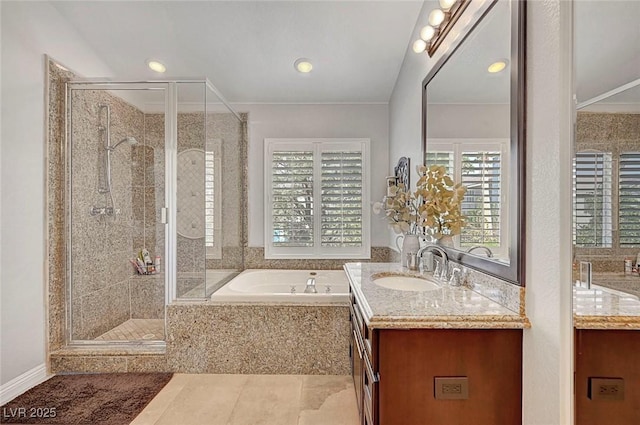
253	400
135	329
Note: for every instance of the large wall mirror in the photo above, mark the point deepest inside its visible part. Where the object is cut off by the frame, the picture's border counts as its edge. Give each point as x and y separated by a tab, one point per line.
473	124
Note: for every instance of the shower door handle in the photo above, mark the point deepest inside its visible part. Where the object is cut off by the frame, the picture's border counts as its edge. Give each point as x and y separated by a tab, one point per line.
163	215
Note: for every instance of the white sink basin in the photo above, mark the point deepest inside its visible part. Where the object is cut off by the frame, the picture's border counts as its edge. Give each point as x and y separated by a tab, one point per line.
406	283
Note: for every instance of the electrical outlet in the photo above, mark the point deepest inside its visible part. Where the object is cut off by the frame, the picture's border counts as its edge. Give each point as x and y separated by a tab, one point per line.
606	388
451	388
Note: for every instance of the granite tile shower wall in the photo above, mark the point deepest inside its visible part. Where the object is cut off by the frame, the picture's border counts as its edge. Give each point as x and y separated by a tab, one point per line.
615	133
100	245
56	204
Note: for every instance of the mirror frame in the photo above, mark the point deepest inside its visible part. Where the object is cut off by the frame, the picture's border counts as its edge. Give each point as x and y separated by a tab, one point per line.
513	272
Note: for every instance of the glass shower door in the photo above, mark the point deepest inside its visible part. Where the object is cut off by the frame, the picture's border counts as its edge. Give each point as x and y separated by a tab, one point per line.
116	168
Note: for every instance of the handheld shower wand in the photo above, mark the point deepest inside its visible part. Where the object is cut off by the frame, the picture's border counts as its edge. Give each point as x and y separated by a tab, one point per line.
106	131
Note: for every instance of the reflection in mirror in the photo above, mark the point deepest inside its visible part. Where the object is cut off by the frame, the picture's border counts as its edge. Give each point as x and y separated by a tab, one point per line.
606	188
473	129
606	181
606	211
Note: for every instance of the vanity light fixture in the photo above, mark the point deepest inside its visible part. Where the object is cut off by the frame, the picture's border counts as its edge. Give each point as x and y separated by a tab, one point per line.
436	17
440	23
426	34
156	66
303	65
419	45
497	66
446	4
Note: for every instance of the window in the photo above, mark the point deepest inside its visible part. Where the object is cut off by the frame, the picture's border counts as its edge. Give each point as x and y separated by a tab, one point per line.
629	186
478	164
316	198
213	199
592	207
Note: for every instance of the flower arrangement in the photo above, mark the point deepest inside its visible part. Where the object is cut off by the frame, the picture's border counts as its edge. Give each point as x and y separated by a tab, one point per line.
441	208
436	205
401	210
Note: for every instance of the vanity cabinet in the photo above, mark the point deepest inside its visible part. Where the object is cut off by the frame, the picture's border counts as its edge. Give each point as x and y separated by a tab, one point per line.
395	371
364	379
611	355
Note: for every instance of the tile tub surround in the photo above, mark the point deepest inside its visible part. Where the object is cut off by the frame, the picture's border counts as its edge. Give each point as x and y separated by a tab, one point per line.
446	307
629	283
254	259
258	339
601	309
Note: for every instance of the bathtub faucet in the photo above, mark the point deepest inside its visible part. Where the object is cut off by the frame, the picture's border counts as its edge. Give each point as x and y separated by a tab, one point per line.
311	286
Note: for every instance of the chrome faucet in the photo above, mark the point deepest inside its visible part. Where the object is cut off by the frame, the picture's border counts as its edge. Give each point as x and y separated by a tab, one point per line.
456	277
485	248
444	262
311	286
585	274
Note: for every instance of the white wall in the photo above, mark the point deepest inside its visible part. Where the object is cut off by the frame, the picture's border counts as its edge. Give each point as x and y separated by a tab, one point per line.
548	348
461	121
331	121
547	345
29	30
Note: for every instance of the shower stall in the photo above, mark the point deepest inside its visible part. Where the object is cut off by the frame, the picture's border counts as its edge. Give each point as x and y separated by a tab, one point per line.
145	204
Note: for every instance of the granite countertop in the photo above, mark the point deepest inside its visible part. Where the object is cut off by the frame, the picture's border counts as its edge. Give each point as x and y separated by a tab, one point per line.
603	308
445	308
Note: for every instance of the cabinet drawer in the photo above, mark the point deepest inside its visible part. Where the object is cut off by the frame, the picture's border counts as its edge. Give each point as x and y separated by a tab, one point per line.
355	311
370	391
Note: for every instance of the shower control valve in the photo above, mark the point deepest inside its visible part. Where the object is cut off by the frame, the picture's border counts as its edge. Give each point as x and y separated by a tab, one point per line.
93	211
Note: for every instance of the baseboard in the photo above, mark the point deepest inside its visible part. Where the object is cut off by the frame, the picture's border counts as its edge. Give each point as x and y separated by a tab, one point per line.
22	383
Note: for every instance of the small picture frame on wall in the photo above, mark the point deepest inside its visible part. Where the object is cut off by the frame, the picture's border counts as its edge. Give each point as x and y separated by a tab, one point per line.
402	173
391	182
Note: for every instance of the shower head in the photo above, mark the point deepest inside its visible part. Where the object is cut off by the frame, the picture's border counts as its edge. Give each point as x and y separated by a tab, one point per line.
130	139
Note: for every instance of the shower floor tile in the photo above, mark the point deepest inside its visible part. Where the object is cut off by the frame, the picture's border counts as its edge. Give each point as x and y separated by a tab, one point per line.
135	329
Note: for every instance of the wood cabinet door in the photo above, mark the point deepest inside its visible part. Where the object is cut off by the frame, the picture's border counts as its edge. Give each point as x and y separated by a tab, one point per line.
410	360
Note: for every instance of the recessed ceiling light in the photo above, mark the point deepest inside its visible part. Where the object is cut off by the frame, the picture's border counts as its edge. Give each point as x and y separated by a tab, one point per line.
303	65
156	66
497	66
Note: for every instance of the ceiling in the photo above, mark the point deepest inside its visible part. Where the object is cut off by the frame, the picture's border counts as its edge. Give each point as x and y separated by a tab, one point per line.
607	40
247	48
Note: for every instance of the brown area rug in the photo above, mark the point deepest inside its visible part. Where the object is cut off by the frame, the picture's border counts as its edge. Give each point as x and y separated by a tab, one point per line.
91	399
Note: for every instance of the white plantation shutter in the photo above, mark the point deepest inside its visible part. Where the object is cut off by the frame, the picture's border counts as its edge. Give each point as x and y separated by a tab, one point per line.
341	199
481	174
629	187
213	198
478	164
592	204
316	198
441	158
292	198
